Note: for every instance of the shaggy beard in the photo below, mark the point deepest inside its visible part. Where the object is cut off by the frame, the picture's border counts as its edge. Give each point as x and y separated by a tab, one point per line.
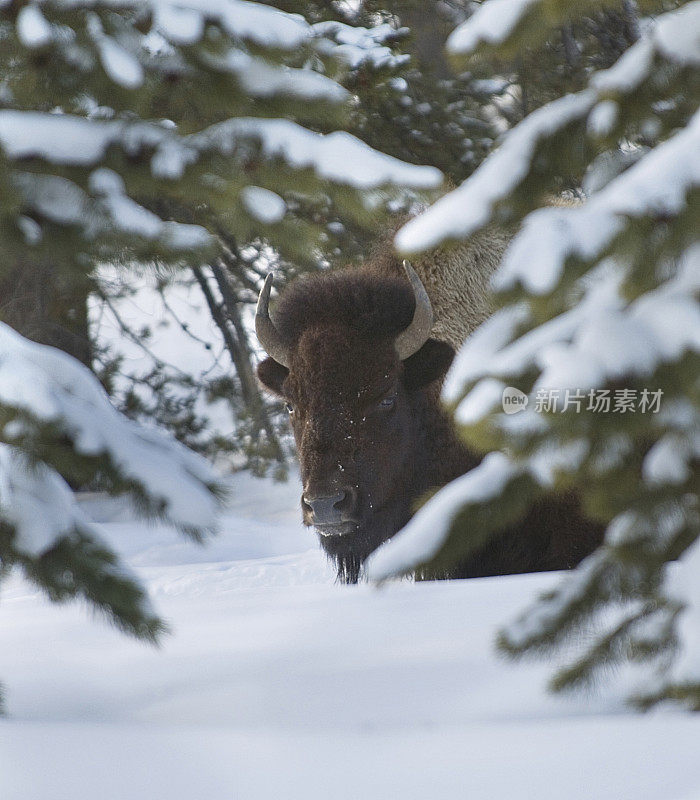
349	551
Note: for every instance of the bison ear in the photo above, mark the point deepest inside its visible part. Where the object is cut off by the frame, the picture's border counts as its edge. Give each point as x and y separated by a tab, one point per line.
429	364
272	374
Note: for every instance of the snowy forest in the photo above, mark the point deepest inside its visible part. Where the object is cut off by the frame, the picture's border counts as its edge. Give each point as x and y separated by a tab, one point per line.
163	609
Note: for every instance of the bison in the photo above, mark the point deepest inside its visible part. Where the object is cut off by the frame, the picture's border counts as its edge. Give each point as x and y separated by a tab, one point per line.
359	356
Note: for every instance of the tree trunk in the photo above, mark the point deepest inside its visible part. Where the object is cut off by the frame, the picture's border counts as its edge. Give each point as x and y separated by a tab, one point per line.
429	29
48	306
237	344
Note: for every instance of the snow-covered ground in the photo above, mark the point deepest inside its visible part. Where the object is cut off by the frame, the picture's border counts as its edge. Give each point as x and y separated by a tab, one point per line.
278	683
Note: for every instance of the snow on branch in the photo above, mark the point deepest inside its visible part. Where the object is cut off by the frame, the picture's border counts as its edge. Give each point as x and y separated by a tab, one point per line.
61	551
39	506
42	386
602	576
338	157
496	23
470	207
124	54
262	24
183	21
601	339
673	35
492	23
107	210
260	78
685	589
124	58
358	47
657	184
65	139
425	534
33	30
37	503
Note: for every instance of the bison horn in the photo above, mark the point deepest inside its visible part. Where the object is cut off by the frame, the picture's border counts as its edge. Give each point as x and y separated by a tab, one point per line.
268	335
410	340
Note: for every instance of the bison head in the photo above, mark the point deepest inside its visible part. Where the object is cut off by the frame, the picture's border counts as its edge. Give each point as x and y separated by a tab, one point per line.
350	354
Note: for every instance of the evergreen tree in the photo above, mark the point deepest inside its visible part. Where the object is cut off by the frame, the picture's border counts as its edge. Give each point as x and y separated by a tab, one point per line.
422	111
147	133
58	426
598	327
177	135
426	113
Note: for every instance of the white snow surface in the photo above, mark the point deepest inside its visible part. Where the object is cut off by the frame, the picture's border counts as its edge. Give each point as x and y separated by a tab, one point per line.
277	682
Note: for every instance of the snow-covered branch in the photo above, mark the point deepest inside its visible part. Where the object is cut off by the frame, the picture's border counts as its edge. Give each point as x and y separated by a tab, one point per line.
42	386
471	206
425	534
491	23
340	157
358	47
180	21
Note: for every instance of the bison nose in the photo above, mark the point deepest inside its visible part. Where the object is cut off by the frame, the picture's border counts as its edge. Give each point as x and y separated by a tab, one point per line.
330	509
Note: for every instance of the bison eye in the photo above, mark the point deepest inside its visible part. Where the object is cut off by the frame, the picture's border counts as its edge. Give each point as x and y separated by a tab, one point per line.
289	407
387	403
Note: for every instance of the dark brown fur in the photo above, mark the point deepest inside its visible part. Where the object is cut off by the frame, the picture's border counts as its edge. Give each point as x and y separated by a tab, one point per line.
340	328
